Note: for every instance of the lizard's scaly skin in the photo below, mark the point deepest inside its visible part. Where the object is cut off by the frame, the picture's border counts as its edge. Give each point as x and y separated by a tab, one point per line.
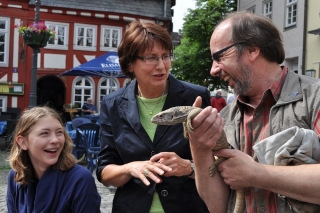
184	114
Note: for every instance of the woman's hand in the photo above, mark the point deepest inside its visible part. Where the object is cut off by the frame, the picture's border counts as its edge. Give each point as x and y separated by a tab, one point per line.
179	166
145	170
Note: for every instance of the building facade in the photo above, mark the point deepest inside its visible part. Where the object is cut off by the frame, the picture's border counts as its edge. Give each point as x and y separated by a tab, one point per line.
84	31
312	62
289	17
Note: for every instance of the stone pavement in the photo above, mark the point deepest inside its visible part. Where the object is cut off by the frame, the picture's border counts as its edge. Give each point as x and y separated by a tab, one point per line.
106	193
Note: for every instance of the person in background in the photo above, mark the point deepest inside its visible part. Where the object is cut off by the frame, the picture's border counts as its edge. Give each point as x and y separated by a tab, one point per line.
282	100
88	108
44	175
218	101
230	98
150	165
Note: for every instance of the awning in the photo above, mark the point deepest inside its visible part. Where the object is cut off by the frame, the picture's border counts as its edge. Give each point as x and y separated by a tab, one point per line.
106	65
315	32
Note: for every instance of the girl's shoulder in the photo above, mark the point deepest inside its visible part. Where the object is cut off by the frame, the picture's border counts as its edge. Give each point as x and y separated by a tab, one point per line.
11	177
78	172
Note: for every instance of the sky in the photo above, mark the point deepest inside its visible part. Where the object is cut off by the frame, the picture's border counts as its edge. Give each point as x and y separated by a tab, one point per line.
180	11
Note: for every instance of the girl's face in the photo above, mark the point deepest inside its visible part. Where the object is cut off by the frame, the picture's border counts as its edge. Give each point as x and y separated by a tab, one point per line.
44	143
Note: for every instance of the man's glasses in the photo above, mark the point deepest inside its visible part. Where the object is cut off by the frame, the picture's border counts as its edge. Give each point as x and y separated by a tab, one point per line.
217	55
153	60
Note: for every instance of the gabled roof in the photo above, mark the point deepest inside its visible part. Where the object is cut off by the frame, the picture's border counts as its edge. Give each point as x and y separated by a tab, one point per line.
149	8
176	37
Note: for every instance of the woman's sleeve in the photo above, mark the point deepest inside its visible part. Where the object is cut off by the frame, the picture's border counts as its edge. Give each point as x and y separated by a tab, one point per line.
108	121
206	98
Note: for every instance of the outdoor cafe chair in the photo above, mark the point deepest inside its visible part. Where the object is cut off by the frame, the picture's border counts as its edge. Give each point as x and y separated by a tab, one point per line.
78	121
78	145
89	135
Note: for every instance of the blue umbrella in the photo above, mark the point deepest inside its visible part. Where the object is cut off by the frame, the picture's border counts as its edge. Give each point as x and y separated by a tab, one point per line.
106	65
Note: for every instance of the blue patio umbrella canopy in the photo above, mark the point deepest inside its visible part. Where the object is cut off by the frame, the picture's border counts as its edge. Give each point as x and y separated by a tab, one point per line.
106	65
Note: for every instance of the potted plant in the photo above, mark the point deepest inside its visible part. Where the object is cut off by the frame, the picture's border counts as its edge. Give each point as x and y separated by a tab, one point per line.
70	106
36	34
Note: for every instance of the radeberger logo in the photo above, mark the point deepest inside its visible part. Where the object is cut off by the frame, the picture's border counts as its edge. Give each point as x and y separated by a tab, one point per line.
113	62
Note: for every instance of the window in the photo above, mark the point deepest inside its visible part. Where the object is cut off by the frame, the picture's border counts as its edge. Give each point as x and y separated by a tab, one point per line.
106	86
291	13
311	73
267	9
61	38
126	81
3	103
252	9
4	41
110	37
85	37
83	88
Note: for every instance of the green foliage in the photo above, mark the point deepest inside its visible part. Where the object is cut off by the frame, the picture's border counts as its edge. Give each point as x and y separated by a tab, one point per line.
5	167
192	57
4	163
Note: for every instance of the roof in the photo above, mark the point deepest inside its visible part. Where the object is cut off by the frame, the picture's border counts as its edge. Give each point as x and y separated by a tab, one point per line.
176	37
149	8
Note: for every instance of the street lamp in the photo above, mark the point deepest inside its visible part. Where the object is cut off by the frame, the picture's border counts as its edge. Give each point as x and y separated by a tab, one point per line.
33	86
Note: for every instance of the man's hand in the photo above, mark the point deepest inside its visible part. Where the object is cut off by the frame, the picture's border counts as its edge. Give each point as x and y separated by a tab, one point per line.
197	102
237	169
208	126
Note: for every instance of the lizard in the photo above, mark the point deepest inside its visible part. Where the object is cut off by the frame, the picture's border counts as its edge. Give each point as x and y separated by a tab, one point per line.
184	115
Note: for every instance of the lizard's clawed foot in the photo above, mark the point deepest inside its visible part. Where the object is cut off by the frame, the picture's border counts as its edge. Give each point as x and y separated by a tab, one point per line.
214	168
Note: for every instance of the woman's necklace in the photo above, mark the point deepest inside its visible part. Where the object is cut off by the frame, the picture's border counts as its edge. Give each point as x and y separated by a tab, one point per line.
151	110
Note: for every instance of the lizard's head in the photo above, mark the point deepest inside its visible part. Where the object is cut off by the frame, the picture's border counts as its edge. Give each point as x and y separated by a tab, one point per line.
164	118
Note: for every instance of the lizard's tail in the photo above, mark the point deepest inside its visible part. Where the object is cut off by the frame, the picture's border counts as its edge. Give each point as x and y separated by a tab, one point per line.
222	143
240	203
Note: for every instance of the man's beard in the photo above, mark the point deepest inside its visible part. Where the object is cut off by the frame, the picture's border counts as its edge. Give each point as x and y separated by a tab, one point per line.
244	81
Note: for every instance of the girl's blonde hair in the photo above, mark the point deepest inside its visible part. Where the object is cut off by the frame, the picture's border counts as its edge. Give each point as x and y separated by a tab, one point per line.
19	158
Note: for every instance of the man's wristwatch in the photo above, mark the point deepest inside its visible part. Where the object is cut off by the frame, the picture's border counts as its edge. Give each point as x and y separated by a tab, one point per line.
192	168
